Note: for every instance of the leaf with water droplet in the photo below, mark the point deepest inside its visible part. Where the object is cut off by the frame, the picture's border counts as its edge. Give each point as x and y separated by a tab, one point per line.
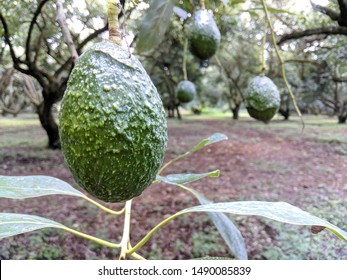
20	187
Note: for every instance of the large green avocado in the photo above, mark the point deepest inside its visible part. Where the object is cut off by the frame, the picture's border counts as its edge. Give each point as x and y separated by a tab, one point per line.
112	122
262	98
203	35
185	91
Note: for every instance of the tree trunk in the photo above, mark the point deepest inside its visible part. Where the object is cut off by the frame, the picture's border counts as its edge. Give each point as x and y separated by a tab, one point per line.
178	112
342	116
49	124
342	119
285	113
235	111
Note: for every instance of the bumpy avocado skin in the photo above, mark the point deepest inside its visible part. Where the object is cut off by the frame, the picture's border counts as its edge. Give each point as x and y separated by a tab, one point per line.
112	122
185	91
203	35
262	98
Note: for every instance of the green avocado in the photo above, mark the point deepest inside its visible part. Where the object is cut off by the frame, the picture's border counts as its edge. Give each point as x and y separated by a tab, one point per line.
262	98
112	124
203	35
185	91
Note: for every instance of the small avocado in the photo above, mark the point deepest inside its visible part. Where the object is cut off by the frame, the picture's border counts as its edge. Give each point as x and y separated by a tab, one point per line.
112	124
185	91
262	98
203	35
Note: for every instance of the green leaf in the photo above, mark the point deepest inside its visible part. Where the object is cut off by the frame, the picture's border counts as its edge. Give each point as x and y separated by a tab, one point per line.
227	229
13	224
20	187
207	258
154	24
271	10
186	178
229	232
214	138
278	211
279	11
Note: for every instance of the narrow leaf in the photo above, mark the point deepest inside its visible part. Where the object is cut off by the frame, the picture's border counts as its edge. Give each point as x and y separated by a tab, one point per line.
278	211
214	138
280	11
271	10
154	24
213	258
229	232
13	224
186	178
20	187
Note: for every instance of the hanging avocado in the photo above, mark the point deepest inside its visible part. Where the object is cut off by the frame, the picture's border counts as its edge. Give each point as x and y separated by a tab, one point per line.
203	35
112	124
185	91
262	98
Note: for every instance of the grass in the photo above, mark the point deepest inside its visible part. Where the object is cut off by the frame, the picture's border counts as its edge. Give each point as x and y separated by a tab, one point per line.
24	130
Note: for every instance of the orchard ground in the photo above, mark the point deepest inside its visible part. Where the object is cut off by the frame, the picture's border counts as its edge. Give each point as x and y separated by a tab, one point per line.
273	162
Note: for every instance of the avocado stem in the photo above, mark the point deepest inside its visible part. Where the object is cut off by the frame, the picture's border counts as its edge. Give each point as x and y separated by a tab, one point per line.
113	10
184	66
263	63
126	231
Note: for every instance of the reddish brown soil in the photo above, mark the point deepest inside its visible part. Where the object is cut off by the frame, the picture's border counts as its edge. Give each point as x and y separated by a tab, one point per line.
256	164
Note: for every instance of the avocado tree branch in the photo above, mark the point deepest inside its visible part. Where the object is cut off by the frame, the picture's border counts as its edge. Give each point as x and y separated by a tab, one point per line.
61	19
340	79
325	10
328	30
339	17
93	35
15	59
30	31
302	60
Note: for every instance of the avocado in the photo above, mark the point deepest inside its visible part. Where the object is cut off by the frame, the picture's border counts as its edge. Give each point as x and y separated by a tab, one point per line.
262	98
112	124
185	91
203	35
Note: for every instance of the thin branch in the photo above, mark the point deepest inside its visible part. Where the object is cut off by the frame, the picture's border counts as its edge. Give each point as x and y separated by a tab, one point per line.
329	30
30	90
325	10
340	79
61	19
91	37
15	59
301	60
30	31
8	110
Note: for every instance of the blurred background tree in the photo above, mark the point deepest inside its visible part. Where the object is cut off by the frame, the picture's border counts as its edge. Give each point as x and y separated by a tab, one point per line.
36	62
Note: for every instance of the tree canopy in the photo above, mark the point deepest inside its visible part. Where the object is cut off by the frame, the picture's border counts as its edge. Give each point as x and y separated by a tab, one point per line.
311	39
